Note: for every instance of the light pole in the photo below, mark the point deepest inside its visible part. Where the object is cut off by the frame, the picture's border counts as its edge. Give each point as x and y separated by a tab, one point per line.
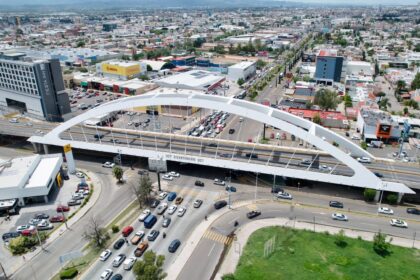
256	187
381	194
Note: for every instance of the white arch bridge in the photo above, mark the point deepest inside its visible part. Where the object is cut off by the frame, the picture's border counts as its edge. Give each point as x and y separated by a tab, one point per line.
252	157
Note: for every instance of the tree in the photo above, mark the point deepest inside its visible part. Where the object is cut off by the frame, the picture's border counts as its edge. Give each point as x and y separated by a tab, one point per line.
363	145
380	245
261	64
317	119
400	85
340	239
118	172
369	194
405	111
392	198
326	99
142	190
150	267
144	77
229	276
384	103
380	94
240	81
80	44
96	234
348	102
411	103
415	84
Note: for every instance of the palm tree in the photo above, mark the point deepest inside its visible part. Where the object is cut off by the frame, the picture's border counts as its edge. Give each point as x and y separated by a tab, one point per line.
384	103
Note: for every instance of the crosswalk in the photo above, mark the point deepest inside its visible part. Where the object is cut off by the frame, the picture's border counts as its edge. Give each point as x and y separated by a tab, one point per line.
218	237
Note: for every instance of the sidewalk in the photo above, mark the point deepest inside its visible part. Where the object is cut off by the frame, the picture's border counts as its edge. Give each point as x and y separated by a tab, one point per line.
243	233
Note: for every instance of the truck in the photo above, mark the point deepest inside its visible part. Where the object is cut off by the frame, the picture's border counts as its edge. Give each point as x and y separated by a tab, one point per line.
150	221
141	248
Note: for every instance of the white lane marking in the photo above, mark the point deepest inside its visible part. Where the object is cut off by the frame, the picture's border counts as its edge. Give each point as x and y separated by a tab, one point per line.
211	250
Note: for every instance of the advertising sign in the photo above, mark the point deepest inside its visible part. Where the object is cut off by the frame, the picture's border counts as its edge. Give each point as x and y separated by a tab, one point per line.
121	70
383	131
71	166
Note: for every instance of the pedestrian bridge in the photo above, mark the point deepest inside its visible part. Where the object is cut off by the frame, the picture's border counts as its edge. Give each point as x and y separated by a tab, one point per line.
252	157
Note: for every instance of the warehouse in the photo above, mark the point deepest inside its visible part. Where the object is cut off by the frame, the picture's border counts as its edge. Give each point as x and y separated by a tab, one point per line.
195	79
242	70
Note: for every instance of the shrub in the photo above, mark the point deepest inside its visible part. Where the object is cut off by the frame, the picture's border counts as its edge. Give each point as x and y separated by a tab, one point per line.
363	145
340	239
392	198
369	194
68	273
380	245
229	276
115	229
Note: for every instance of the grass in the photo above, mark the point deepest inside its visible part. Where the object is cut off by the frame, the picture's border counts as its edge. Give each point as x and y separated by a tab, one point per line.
302	254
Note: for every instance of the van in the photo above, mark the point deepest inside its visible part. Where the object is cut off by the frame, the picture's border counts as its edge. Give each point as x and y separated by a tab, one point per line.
141	248
127	230
150	221
174	246
171	196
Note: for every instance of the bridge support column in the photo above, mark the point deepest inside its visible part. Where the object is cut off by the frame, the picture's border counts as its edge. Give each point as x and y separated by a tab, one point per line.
315	163
36	147
46	198
400	196
46	151
377	195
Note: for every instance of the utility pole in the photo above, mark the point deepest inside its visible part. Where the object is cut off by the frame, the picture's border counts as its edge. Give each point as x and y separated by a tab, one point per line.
158	177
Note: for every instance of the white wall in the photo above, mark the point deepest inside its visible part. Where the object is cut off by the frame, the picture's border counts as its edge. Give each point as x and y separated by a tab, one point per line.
33	103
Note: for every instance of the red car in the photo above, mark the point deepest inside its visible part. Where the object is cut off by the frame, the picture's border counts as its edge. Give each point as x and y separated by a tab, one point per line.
57	219
127	230
63	208
28	232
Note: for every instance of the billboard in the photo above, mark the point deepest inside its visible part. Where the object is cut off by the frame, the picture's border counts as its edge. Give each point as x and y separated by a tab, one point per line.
383	130
121	70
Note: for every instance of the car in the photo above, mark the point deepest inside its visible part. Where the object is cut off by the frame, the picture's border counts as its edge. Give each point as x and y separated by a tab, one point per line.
57	219
398	223
120	242
251	155
137	237
179	200
129	263
162	195
306	162
172	209
126	231
336	204
199	183
284	195
83	192
181	211
118	260
41	216
153	234
9	235
166	222
108	164
44	225
77	196
144	214
414	211
355	137
276	189
82	185
154	203
106	274
74	202
34	222
117	277
162	208
339	217
219	182
167	177
171	196
379	175
325	168
220	204
231	131
364	160
80	175
13	120
253	214
173	174
385	210
230	188
174	246
197	203
62	208
105	255
141	248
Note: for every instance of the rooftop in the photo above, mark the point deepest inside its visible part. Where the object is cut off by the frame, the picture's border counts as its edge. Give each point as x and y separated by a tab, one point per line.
327	52
242	64
195	79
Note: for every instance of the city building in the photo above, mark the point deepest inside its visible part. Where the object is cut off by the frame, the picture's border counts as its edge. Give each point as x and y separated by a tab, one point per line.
184	61
331	119
328	67
121	70
375	124
194	79
30	179
108	27
35	88
242	70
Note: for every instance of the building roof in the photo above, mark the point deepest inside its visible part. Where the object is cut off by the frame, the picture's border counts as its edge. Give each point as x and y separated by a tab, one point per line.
156	65
309	114
242	65
327	52
195	79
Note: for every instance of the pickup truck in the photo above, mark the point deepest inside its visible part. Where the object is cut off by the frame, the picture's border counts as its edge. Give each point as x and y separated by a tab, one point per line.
141	248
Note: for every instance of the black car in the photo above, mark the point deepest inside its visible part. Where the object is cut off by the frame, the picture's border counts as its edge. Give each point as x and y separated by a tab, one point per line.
9	235
41	216
231	131
199	183
154	203
120	242
212	145
174	246
414	211
277	189
117	277
153	235
220	204
230	189
253	214
251	155
336	204
377	174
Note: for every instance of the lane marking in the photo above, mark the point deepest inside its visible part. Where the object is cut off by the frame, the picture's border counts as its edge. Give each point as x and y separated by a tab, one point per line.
211	250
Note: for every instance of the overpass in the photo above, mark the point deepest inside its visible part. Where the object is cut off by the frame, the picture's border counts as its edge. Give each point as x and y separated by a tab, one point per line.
252	157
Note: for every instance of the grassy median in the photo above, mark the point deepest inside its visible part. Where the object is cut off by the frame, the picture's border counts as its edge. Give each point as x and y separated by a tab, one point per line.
299	254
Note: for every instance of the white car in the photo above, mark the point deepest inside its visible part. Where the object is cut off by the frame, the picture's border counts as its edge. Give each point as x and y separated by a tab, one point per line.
105	255
34	222
385	210
167	177
80	175
77	196
181	211
284	195
108	164
339	217
398	223
118	260
173	174
325	168
355	137
162	195
364	160
129	263
24	227
162	208
106	274
219	182
144	215
13	120
172	209
44	225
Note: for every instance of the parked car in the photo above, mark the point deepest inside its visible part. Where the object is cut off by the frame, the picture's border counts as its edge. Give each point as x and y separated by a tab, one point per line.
336	204
181	211
174	246
129	263
119	243
77	196
306	162
197	203
106	274
127	231
108	164
44	225
199	183
162	195
162	208
385	210
62	208
154	203
339	217
398	223
171	196
57	219
73	202
364	160
379	175
173	174
179	200
167	177
141	248
34	222
172	209
153	234
137	237
118	260
284	195
80	175
219	182
230	188
253	214
41	216
116	277
220	204
414	211
144	214
166	222
9	235
231	131
105	255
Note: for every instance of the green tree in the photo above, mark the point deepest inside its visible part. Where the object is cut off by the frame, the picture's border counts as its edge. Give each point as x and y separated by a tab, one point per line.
150	267
326	99
380	94
83	69
229	276
80	44
384	103
118	172
144	77
363	145
340	239
261	64
369	194
405	111
240	81
317	119
380	245
401	85
142	190
96	234
348	102
392	198
415	84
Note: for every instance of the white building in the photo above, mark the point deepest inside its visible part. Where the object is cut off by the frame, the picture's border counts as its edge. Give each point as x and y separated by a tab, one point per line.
30	179
195	79
242	70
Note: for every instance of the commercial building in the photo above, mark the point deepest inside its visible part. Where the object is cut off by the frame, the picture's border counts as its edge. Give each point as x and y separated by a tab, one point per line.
195	79
108	27
184	61
375	124
242	70
331	119
35	87
121	70
30	179
328	67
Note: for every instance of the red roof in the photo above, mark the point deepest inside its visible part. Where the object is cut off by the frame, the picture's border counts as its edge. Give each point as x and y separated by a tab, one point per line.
309	114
